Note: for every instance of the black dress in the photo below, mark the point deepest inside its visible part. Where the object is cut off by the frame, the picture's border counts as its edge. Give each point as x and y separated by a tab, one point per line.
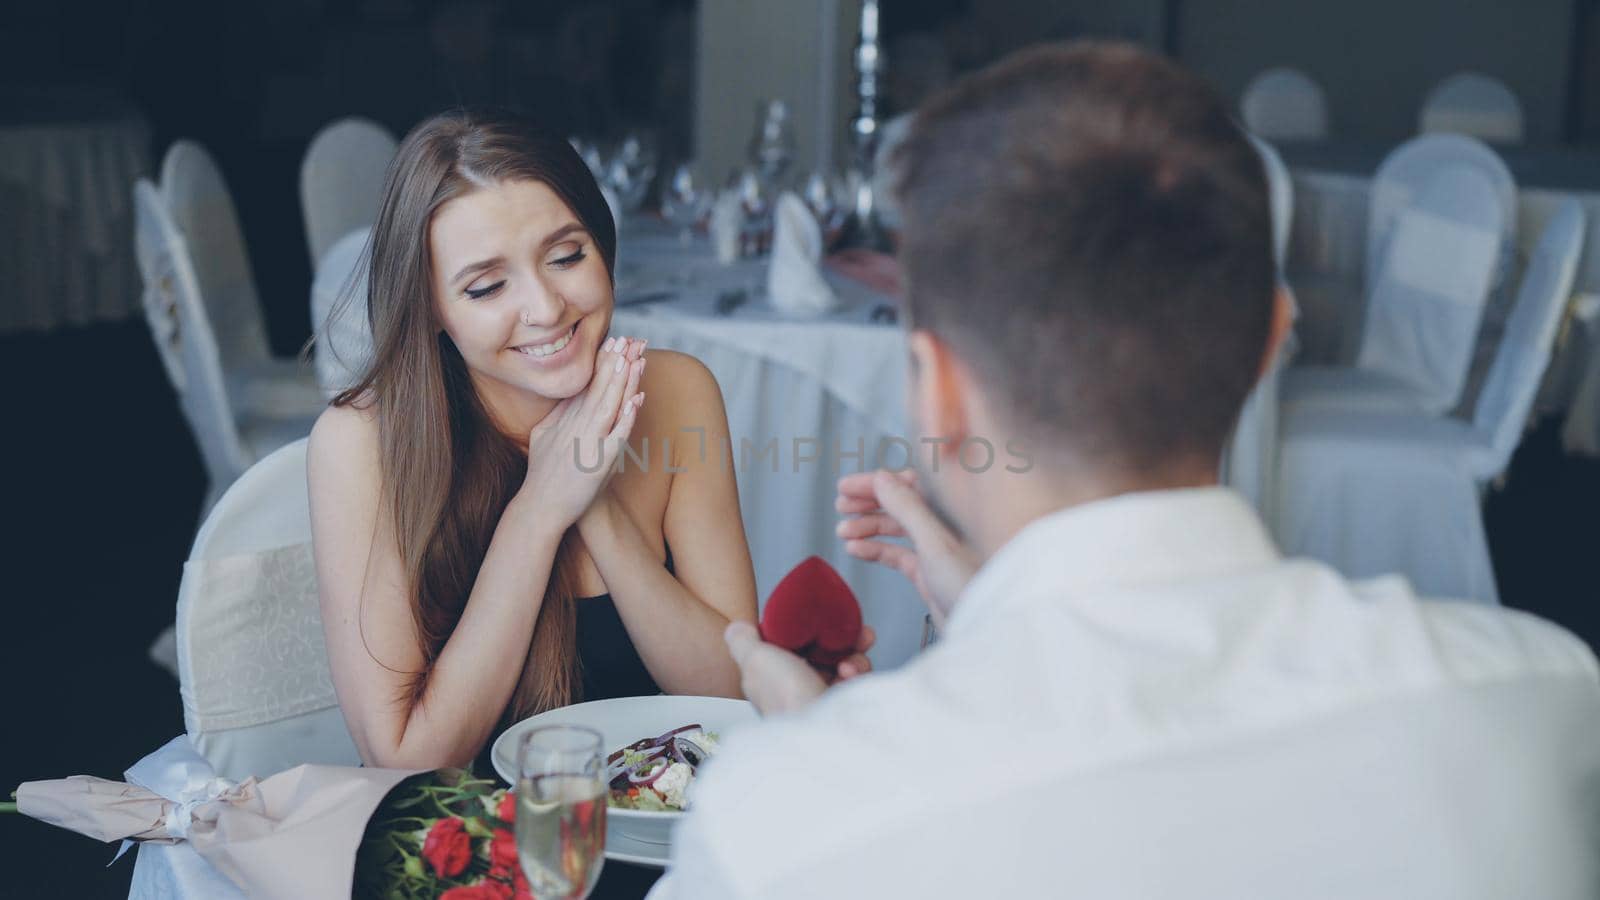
610	667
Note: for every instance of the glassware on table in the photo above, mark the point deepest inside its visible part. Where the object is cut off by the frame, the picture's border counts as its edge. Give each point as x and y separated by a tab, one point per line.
631	172
755	202
561	810
772	145
824	194
685	202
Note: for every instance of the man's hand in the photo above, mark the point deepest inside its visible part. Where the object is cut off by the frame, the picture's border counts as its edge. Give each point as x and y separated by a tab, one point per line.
887	504
778	681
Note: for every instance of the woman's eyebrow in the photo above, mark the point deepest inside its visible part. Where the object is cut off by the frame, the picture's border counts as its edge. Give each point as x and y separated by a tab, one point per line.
476	267
561	232
483	264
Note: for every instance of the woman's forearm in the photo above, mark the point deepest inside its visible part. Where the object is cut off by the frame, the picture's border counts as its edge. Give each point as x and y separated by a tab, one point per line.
678	635
476	672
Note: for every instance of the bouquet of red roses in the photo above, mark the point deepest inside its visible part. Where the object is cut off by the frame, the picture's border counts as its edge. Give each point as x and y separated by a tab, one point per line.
444	834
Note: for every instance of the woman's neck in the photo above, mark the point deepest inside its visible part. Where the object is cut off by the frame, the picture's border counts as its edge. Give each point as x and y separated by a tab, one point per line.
512	411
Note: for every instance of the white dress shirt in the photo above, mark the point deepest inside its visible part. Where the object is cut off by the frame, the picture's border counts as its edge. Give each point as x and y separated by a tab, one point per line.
1139	697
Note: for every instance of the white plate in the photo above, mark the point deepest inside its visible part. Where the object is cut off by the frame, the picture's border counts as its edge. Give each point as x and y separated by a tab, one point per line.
640	836
622	848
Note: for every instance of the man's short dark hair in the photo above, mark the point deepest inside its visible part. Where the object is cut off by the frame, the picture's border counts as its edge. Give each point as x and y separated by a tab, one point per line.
1088	228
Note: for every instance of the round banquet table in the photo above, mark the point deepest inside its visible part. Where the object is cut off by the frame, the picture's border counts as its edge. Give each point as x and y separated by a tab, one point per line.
68	161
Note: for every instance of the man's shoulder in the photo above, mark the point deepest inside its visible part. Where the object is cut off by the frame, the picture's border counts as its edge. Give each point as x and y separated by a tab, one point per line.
1490	642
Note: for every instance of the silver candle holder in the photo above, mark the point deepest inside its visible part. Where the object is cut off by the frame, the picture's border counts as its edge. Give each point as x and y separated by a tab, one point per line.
862	227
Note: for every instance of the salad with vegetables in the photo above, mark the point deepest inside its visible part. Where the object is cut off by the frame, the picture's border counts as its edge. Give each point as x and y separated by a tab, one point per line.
654	773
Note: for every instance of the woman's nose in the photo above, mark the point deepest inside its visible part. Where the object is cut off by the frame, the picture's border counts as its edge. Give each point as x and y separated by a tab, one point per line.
540	306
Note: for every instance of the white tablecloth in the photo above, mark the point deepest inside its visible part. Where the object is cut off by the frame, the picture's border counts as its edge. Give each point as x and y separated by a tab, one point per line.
68	160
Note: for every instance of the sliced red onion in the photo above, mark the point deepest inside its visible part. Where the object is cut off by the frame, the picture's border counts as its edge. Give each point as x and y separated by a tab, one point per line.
648	772
666	739
620	767
688	752
638	746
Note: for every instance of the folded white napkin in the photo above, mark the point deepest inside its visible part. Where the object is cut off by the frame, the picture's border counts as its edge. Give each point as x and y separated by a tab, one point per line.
794	277
727	221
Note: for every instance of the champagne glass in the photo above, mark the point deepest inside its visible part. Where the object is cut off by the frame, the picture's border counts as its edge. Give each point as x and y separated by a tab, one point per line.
685	202
561	810
632	170
821	192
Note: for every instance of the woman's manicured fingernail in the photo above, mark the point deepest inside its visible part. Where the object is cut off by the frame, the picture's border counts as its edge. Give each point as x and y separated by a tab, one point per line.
620	361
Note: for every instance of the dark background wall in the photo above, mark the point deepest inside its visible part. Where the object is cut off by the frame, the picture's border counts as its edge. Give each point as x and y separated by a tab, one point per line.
254	81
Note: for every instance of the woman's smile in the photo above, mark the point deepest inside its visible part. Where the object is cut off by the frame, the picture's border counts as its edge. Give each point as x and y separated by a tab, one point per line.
550	353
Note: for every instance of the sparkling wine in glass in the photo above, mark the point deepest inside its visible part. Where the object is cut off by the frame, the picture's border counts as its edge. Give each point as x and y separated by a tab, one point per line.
561	810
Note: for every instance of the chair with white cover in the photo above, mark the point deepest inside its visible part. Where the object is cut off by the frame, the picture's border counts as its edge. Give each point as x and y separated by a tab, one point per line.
1280	196
228	442
253	672
1426	299
1285	104
341	180
1251	459
198	200
1473	104
339	313
1377	492
1409	167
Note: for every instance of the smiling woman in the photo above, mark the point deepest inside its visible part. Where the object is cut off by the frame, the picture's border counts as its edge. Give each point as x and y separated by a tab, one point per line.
470	572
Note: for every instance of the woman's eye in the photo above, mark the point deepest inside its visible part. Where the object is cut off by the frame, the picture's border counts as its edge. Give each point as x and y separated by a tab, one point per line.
567	262
480	293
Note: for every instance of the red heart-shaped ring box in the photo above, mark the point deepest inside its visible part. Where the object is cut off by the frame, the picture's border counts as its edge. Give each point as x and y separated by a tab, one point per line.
814	613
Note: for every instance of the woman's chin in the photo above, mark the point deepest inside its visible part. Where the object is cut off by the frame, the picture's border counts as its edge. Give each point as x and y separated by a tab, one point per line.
562	383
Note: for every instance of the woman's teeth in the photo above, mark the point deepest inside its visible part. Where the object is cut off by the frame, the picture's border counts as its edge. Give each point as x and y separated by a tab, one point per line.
547	349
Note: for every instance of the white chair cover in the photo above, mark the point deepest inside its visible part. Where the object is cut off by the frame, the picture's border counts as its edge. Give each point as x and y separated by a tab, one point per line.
1403	173
1469	103
1285	104
228	442
182	333
341	180
1250	462
1373	493
1280	194
202	208
339	313
1425	306
253	672
1433	282
199	203
1507	398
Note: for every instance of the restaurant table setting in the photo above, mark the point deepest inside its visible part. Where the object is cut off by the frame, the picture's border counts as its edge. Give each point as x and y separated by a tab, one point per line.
592	781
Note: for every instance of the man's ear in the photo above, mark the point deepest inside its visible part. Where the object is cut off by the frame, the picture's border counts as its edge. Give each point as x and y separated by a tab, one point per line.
1283	316
942	392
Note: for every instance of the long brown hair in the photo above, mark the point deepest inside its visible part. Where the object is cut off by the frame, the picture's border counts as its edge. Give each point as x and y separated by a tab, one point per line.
448	472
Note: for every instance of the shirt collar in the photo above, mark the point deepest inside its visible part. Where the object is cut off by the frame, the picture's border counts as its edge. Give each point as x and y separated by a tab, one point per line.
1128	541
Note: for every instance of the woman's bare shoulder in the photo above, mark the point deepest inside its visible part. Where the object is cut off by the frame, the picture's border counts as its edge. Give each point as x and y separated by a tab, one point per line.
344	445
682	382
